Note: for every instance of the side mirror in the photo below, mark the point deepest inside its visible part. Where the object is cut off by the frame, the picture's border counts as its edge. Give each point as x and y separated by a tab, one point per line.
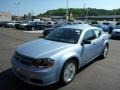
85	42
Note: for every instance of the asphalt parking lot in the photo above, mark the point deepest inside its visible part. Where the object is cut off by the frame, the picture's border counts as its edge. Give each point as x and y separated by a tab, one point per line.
97	75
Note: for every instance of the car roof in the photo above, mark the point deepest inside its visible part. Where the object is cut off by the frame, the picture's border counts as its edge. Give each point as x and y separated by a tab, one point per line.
80	26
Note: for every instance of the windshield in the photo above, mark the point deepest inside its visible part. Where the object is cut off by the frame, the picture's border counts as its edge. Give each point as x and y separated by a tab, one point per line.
96	25
106	23
117	27
65	35
32	23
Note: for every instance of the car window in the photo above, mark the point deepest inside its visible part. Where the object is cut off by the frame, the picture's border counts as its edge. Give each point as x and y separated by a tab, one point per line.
117	27
89	35
66	35
97	33
17	22
39	23
32	23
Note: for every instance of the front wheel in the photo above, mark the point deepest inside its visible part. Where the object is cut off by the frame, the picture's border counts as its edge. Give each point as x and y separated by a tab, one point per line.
68	72
11	26
105	52
33	28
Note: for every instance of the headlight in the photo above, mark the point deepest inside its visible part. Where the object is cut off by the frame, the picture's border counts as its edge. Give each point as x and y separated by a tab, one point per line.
47	62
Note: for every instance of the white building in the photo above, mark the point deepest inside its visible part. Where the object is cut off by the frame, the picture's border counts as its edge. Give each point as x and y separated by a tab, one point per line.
5	16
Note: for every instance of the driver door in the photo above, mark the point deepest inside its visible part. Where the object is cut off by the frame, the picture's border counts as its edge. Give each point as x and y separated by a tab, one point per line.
88	50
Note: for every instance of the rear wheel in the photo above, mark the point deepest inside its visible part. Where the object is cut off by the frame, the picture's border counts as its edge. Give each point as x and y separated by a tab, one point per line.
105	52
33	28
11	26
68	72
25	28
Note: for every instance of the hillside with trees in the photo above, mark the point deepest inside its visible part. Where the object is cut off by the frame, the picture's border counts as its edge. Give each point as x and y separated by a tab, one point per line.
79	12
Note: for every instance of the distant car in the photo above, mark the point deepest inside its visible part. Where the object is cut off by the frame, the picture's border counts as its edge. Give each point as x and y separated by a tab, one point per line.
3	24
17	25
48	30
60	24
107	27
12	24
116	32
79	22
32	25
49	24
0	24
23	25
103	27
35	26
118	23
96	25
59	55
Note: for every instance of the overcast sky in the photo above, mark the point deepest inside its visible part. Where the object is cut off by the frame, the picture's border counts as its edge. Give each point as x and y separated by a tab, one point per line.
40	6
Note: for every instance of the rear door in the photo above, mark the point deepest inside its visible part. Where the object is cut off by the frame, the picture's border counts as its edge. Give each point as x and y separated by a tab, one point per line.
99	41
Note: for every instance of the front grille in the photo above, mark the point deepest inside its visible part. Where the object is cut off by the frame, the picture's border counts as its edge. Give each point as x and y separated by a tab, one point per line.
24	59
36	81
22	76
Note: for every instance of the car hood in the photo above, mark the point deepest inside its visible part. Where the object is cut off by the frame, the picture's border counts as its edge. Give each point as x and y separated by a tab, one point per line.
116	30
42	48
10	23
24	24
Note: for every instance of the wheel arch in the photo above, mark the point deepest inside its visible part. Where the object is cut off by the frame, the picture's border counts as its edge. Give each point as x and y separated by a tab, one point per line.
74	59
64	59
106	43
69	59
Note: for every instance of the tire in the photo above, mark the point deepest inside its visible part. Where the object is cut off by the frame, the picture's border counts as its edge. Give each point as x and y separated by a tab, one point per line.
25	28
105	52
11	26
112	37
68	72
33	28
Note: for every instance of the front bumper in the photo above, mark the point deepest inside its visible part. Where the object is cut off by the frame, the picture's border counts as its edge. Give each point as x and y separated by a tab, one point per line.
34	76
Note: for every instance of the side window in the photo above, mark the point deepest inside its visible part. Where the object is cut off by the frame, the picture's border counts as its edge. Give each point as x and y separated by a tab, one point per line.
97	33
89	35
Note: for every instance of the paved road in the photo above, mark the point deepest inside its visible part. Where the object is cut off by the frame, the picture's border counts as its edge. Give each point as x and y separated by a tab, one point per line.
97	75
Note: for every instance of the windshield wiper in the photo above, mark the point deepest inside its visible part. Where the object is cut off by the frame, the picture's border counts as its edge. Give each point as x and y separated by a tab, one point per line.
58	40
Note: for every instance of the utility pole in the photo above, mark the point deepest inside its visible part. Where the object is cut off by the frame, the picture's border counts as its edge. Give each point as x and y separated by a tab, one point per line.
84	11
17	4
115	14
67	10
86	14
50	15
84	6
32	13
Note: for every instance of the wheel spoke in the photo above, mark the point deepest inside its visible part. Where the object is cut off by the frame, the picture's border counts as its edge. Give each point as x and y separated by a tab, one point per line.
105	51
69	72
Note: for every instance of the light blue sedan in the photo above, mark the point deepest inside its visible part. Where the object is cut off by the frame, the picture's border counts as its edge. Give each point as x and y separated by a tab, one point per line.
59	55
